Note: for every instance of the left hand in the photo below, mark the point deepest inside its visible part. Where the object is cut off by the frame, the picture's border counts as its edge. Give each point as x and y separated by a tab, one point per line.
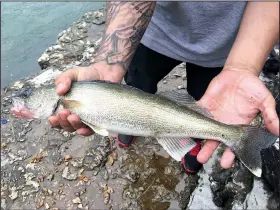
236	96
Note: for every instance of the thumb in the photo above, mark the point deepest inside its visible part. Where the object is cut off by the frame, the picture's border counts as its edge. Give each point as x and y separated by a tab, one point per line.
271	120
63	81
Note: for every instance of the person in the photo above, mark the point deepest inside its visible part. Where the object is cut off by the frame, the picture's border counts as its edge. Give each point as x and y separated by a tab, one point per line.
224	45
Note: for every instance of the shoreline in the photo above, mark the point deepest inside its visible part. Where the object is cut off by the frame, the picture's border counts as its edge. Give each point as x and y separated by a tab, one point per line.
46	168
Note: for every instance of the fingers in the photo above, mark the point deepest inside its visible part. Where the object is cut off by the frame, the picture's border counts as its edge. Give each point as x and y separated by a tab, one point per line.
70	122
75	121
85	131
227	158
270	116
63	81
63	121
53	120
64	118
77	124
208	149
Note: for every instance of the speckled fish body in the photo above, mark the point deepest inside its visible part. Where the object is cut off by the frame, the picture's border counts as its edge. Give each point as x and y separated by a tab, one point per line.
173	118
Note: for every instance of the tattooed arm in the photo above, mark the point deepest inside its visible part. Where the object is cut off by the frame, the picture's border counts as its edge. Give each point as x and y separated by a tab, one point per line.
126	23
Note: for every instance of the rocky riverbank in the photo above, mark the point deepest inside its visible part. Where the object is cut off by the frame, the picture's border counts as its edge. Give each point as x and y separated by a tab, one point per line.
45	168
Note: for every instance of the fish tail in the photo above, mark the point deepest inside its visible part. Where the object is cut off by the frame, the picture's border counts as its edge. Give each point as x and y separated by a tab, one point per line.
248	148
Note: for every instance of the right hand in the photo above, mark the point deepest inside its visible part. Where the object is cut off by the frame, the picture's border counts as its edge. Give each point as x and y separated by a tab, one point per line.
99	71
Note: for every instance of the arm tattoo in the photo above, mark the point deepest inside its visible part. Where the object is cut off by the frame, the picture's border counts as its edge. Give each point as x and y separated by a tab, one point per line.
126	22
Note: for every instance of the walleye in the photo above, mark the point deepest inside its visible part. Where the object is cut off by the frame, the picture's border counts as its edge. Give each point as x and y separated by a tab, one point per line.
173	118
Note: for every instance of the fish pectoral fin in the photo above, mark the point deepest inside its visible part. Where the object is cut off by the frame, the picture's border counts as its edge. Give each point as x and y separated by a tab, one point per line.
177	147
70	104
98	130
182	97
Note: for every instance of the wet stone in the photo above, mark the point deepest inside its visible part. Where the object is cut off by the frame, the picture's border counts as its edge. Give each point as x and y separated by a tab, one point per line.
77	162
66	174
95	171
105	175
50	177
132	176
76	200
90	163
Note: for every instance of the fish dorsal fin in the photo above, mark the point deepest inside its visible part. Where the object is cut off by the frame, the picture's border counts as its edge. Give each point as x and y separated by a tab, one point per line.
182	97
176	147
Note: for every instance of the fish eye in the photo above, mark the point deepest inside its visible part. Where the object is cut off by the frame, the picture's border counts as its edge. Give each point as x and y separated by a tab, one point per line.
25	93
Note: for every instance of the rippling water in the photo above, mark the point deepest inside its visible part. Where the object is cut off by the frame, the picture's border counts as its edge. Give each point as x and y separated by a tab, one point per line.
28	28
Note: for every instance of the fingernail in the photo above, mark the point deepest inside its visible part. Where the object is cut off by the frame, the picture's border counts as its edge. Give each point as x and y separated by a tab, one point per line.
60	87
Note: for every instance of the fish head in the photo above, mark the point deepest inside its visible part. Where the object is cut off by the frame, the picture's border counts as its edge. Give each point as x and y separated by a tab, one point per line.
35	103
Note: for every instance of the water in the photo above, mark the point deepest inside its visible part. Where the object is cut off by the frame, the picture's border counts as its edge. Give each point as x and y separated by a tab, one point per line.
28	28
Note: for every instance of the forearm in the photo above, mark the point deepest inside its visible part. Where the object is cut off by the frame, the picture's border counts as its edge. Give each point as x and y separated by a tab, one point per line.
258	33
126	23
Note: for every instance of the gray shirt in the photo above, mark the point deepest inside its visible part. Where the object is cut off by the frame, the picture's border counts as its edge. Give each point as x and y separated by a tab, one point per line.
201	33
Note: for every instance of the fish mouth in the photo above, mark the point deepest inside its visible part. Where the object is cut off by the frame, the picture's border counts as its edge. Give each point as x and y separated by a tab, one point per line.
20	110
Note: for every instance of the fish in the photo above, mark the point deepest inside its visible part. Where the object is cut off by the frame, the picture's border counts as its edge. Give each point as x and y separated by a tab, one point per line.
172	117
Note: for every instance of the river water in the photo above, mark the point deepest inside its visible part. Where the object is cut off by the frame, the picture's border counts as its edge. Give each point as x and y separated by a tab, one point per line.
28	28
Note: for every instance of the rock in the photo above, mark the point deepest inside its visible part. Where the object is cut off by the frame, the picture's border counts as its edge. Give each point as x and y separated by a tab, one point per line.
61	34
141	189
47	206
132	175
3	145
271	169
14	193
50	177
29	182
86	56
182	65
3	204
44	61
50	192
21	169
77	40
67	134
81	25
45	77
67	175
41	178
167	170
98	21
105	175
65	38
77	162
77	200
23	154
67	157
176	75
91	50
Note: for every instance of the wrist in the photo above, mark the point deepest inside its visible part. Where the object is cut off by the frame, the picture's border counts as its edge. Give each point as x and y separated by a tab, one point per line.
113	73
242	68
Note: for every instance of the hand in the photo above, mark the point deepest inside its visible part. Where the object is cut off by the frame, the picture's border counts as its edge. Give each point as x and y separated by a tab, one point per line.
71	122
236	97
